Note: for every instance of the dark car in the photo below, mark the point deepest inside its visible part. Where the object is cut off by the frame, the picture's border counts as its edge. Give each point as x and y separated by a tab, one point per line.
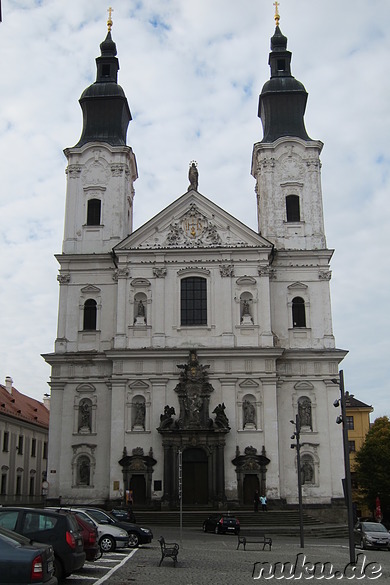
61	531
222	524
90	537
25	562
371	535
137	534
123	515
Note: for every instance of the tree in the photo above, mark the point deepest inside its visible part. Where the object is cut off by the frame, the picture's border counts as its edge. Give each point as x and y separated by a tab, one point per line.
373	466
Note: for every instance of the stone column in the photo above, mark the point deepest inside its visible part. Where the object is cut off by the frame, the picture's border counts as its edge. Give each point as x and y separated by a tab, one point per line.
264	308
121	275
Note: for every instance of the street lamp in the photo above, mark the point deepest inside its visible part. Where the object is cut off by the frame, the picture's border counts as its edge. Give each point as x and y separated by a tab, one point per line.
342	419
297	446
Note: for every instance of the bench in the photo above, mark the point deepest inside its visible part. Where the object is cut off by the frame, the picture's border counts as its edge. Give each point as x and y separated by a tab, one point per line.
168	549
255	538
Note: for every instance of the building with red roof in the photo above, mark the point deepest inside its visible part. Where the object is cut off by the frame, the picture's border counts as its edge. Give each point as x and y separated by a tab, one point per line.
24	429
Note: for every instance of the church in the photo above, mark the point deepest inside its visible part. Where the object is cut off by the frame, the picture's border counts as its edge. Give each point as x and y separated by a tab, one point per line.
187	347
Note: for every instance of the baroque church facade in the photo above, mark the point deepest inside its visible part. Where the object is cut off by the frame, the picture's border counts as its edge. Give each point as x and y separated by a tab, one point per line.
185	348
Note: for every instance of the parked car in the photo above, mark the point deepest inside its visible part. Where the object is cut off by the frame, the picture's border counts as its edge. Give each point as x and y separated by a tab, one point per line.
110	537
222	524
25	562
61	531
124	515
137	534
90	537
371	535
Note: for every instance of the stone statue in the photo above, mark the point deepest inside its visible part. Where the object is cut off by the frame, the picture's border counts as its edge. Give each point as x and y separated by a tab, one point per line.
307	472
221	420
85	416
141	309
249	413
139	418
193	177
166	419
304	412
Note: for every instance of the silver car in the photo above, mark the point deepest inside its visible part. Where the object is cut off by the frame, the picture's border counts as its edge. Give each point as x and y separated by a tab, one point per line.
110	537
371	535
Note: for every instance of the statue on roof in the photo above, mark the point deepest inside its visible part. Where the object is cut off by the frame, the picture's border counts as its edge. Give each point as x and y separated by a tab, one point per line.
193	176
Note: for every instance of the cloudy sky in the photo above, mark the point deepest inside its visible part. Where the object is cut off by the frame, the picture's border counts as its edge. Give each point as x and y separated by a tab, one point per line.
192	72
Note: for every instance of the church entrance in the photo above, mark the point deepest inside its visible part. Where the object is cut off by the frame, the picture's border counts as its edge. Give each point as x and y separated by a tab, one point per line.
138	487
195	477
251	484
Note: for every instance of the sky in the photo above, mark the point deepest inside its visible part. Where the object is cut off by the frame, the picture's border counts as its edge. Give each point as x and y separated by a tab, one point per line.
192	72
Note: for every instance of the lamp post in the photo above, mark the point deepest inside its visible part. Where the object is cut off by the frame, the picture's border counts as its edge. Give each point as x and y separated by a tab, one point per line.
342	419
297	446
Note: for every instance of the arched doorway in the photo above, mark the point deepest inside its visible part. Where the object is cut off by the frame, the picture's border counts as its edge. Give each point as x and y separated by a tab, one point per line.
138	487
251	484
195	477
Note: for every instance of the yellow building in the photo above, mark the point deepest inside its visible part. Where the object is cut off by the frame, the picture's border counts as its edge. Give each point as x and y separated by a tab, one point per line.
358	424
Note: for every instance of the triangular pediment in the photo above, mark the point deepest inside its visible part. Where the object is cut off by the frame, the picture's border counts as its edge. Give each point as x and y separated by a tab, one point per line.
90	288
193	221
297	286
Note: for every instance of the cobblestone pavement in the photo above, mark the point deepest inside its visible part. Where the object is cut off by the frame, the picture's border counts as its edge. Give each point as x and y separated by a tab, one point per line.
213	560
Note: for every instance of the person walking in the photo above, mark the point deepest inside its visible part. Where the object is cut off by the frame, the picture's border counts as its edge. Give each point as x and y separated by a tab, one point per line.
263	502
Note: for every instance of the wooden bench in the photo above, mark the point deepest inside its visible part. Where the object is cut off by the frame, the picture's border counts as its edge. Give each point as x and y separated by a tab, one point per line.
168	549
255	538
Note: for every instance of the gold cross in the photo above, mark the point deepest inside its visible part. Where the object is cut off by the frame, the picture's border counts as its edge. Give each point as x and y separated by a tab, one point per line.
277	16
109	21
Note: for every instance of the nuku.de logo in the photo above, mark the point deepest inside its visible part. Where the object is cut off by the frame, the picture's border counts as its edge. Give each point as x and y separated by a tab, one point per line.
303	569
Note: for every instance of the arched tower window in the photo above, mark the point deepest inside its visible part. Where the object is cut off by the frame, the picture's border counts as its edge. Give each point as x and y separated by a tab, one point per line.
193	301
94	212
298	312
90	314
292	208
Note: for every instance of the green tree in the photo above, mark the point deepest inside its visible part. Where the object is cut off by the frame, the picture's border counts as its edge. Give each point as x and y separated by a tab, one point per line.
373	466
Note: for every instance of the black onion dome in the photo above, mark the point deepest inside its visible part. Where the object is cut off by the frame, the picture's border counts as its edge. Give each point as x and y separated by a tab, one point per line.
282	101
106	112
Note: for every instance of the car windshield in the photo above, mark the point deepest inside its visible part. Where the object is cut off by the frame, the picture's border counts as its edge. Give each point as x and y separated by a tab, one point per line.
99	516
373	527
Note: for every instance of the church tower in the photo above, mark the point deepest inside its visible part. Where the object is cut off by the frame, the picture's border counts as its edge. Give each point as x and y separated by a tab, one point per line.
101	168
286	162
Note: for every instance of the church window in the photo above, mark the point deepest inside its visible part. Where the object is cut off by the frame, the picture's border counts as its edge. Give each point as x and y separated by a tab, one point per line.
298	312
193	301
292	208
281	64
106	70
90	314
94	211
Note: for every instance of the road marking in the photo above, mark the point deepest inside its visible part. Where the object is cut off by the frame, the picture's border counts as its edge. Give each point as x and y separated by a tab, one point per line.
114	569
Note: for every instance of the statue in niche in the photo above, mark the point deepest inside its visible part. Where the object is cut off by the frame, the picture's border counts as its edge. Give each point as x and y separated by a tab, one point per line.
304	412
193	406
140	318
84	472
193	176
221	420
246	317
307	472
85	417
249	414
139	417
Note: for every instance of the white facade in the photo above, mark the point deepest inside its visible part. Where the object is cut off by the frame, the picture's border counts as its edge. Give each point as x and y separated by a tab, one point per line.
129	316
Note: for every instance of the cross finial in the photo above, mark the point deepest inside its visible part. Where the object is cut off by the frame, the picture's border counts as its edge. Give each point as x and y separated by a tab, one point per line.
109	21
277	16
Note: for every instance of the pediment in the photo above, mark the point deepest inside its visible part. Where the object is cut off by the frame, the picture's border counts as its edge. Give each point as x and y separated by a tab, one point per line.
297	286
193	221
248	384
303	386
90	288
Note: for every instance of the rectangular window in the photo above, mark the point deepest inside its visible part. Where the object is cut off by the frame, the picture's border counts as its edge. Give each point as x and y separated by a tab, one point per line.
31	490
350	423
45	450
352	446
6	441
3	489
20	445
193	301
18	491
33	448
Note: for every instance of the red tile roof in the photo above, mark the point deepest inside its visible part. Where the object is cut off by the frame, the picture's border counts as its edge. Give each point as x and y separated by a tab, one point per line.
24	407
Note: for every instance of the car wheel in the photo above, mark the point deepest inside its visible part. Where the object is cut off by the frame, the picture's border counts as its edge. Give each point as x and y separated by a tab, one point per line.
204	528
107	543
58	570
216	530
133	540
